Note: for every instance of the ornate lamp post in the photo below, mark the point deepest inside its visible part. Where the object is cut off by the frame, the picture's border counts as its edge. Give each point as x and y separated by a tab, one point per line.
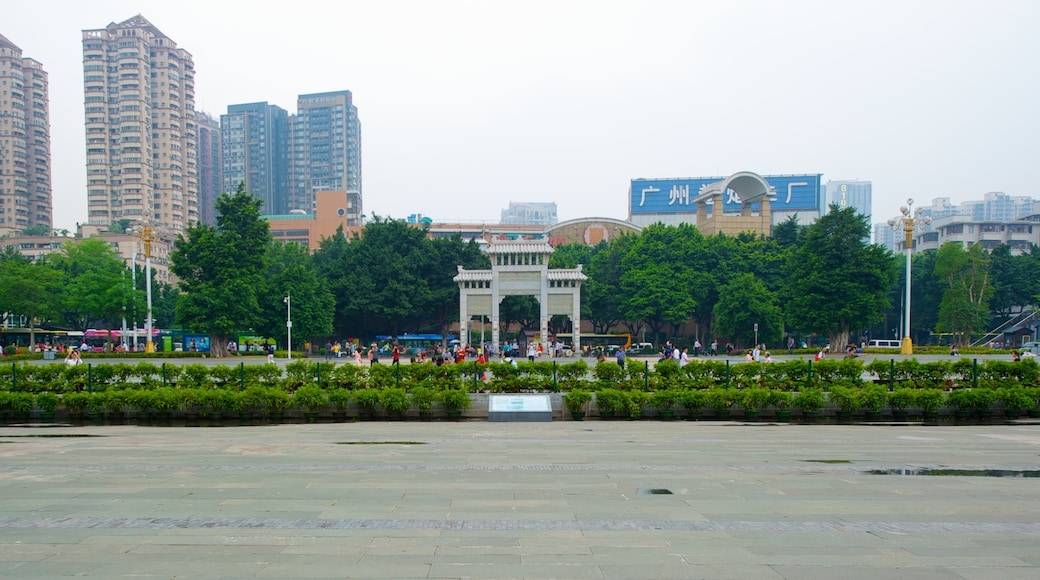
906	222
148	236
288	322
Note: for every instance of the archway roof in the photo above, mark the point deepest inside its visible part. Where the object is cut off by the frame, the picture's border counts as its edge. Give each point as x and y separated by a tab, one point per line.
751	187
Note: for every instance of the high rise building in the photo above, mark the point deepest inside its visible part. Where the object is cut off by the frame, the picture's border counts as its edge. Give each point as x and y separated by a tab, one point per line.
325	151
255	151
139	99
210	170
850	193
530	213
25	143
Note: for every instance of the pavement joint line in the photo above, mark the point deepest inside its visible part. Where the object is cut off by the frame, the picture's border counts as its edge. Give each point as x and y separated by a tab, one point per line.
862	468
518	525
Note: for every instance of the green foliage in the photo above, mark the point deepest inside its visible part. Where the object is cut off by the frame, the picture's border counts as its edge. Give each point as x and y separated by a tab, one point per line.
366	399
873	397
845	397
693	401
221	270
47	402
395	400
967	289
454	399
659	285
664	399
423	398
576	399
611	400
810	400
835	280
96	286
76	402
930	400
608	372
753	399
339	398
276	400
744	302
722	398
781	400
291	271
31	289
1014	399
310	398
902	398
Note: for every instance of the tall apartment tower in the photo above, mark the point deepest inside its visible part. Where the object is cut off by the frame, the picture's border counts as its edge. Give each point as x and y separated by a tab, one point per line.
25	143
210	171
325	151
255	150
139	99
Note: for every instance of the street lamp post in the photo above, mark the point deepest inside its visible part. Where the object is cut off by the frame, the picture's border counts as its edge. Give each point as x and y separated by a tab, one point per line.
906	222
288	322
148	236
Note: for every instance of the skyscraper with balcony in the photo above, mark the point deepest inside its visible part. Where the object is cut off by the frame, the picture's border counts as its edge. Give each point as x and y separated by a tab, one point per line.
255	151
25	143
325	151
139	100
210	171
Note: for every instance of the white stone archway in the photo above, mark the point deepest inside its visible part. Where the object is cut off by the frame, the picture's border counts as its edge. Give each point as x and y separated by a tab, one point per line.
520	268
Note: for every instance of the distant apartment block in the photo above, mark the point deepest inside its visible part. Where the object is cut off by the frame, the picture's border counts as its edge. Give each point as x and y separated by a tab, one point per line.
325	151
255	151
25	143
850	193
530	213
287	159
210	180
995	220
139	104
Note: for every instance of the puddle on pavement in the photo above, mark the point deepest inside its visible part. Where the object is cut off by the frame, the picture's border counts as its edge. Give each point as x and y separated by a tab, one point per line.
654	491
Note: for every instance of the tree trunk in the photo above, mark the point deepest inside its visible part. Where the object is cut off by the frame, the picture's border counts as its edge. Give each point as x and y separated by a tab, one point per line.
218	346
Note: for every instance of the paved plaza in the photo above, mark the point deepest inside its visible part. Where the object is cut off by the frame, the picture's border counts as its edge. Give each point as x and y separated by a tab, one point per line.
520	500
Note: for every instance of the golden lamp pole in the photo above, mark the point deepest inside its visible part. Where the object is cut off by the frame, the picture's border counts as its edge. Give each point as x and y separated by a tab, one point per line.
906	222
148	236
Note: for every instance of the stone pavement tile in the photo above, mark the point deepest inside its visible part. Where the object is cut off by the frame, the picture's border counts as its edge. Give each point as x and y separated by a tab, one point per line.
36	569
374	559
692	572
880	570
570	571
973	573
326	568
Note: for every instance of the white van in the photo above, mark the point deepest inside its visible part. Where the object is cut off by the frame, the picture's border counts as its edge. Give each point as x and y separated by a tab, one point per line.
885	344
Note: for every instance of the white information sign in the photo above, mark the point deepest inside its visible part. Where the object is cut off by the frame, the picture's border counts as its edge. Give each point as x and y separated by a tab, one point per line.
519	404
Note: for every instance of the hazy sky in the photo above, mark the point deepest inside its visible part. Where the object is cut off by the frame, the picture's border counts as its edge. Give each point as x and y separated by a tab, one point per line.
466	106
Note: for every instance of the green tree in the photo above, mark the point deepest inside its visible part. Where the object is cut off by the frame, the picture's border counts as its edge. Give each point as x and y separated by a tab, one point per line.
965	302
658	284
788	233
439	268
378	278
30	290
743	303
291	272
600	299
835	281
96	289
221	270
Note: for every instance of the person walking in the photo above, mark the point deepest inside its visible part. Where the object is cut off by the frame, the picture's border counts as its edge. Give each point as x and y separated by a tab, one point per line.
790	344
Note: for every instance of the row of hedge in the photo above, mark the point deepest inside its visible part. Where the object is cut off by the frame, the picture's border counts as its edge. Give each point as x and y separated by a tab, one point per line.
312	400
789	375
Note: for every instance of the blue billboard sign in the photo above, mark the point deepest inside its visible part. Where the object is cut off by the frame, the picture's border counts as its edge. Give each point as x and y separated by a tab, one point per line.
790	193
